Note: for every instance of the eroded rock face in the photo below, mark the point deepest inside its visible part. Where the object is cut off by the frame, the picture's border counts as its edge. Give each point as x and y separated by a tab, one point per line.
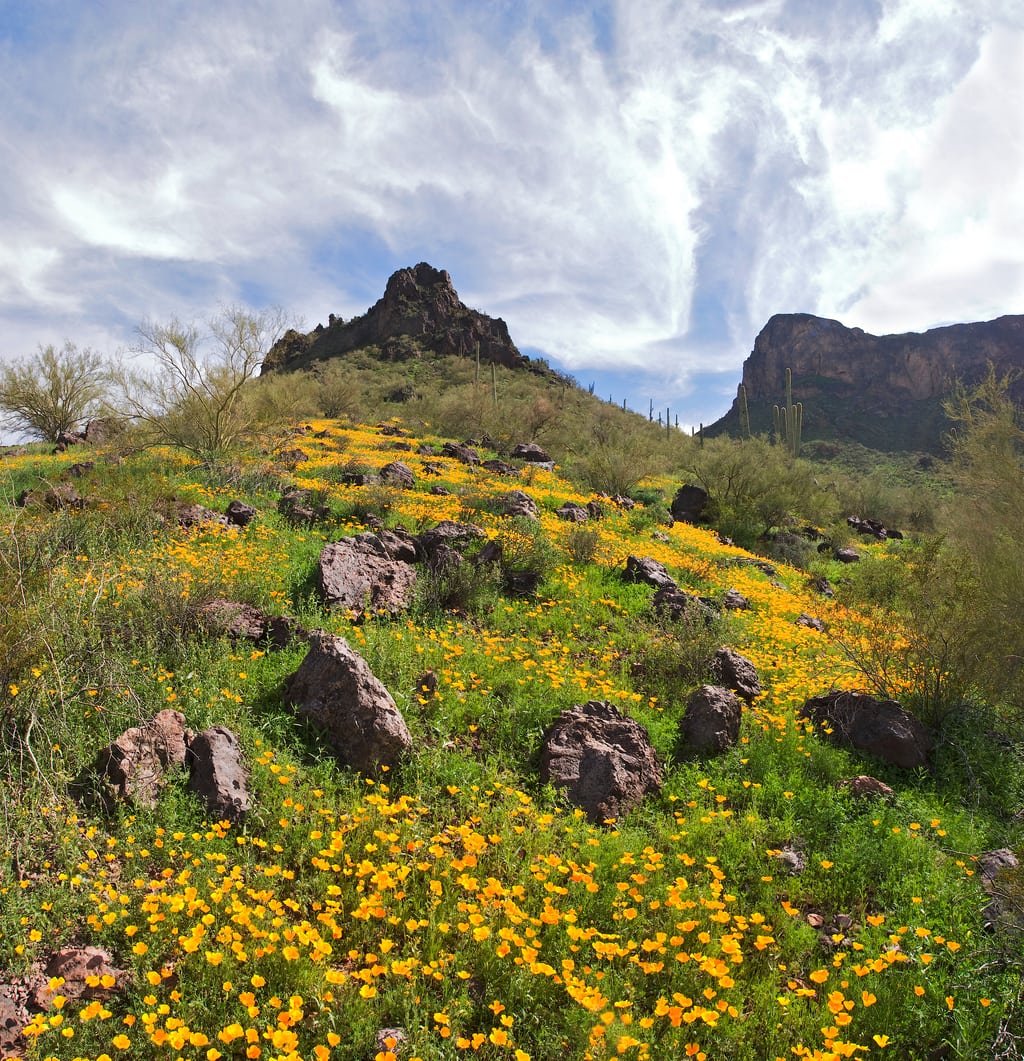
879	727
358	573
603	759
872	388
335	688
218	774
736	672
134	765
711	723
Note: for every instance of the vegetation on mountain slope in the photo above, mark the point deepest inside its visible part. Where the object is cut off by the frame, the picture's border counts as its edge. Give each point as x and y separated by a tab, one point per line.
456	898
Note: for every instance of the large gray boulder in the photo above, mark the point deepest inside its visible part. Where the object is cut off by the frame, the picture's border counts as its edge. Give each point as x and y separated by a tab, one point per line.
879	727
335	688
218	774
359	573
603	760
711	723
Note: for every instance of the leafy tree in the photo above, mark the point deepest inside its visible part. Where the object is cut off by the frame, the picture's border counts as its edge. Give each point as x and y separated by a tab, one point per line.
194	396
53	392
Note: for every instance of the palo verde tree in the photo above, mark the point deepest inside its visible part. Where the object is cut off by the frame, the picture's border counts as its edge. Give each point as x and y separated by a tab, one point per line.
50	394
192	394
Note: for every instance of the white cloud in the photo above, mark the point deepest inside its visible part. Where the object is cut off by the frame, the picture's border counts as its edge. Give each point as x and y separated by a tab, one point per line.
643	194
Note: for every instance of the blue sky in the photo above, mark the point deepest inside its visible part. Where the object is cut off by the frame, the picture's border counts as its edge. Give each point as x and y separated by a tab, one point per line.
635	186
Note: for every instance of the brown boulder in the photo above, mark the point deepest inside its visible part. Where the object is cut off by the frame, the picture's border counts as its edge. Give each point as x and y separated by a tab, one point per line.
879	727
245	622
531	453
335	688
357	573
397	474
711	723
517	503
133	766
604	760
645	569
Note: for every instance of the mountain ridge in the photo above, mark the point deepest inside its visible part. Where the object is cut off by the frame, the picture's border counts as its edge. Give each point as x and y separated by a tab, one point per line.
884	391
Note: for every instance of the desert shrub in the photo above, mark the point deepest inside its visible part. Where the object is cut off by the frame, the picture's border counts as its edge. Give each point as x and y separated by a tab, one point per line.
790	548
339	393
527	556
581	544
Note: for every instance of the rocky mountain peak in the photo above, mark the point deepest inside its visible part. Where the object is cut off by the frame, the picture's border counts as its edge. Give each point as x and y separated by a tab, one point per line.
419	314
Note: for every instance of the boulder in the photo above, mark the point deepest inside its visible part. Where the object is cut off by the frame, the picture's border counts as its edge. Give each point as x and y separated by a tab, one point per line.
293	456
517	503
645	569
76	471
863	786
197	516
846	555
998	872
448	533
689	503
245	622
603	759
531	453
13	1017
296	505
239	514
711	723
823	586
736	672
803	619
357	573
879	727
595	509
398	474
871	527
675	604
218	774
499	467
465	454
134	765
335	688
735	601
572	512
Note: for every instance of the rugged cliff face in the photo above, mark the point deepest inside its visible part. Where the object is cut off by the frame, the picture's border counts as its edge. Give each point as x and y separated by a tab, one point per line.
884	391
420	313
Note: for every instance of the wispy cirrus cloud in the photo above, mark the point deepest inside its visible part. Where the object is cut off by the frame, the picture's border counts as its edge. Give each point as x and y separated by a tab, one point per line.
634	187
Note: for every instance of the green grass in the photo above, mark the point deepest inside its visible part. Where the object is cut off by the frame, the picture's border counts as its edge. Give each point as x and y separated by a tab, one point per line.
456	897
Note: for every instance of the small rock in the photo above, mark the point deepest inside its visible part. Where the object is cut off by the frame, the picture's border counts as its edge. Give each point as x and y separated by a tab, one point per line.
803	619
735	601
239	514
866	787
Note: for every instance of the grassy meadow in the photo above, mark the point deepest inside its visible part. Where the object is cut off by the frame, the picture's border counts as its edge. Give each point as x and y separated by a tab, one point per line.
454	907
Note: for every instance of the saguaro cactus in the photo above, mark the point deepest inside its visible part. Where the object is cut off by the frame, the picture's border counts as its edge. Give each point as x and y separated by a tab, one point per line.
789	419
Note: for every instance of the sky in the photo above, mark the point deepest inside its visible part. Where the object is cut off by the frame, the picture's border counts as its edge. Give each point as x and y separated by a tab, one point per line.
634	186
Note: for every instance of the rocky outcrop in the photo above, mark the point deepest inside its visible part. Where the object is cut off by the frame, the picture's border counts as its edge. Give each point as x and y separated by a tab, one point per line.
335	688
884	391
420	313
603	760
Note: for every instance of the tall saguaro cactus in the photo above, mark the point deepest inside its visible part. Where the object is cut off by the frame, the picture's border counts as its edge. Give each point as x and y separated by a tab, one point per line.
789	419
744	413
